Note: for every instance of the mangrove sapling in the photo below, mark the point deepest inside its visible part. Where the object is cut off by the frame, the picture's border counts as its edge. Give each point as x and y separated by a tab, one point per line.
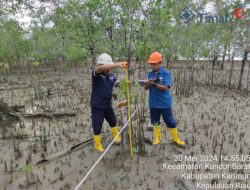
5	166
28	170
139	103
122	95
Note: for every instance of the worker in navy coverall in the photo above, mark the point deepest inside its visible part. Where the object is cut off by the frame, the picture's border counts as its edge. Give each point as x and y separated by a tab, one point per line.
103	81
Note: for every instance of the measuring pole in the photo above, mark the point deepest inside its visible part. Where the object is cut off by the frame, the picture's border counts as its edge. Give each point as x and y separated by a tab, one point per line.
128	83
129	113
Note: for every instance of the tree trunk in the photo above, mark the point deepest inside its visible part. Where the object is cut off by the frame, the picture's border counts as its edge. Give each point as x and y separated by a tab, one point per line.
242	68
63	48
92	49
231	70
248	74
192	71
223	58
213	65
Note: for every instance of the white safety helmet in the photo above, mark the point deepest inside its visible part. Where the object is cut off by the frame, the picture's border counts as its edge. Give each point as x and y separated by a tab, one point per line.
104	59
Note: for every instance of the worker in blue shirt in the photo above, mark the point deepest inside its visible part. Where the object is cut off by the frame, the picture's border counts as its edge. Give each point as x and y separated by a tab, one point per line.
160	99
103	81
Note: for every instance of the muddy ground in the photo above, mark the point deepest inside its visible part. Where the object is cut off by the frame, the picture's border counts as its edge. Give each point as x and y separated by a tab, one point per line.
212	121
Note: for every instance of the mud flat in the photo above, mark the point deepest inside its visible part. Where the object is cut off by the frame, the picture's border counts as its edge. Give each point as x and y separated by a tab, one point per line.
213	121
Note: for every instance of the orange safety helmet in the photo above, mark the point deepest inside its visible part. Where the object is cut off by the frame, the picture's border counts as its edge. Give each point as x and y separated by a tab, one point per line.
155	58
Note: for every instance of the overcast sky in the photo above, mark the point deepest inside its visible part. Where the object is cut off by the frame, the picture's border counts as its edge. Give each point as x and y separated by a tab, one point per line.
24	18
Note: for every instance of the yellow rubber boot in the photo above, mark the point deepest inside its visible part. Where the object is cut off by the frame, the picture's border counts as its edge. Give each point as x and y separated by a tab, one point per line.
114	131
157	134
175	138
98	143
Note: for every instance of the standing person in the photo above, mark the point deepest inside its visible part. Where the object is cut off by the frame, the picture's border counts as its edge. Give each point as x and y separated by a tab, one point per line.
160	99
103	81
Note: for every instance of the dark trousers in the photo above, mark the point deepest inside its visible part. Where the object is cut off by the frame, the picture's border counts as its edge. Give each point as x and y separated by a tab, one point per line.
156	113
98	115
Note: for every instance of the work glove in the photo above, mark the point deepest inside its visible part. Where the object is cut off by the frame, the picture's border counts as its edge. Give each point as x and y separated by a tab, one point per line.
117	83
121	104
124	65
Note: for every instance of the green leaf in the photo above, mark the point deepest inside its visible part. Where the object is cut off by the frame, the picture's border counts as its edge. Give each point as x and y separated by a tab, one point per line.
28	168
35	63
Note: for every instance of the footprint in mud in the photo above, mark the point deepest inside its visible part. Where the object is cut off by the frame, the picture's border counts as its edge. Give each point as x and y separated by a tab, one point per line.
180	184
124	181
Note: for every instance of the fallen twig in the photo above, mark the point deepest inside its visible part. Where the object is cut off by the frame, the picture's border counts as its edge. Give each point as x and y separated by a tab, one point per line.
43	114
63	153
